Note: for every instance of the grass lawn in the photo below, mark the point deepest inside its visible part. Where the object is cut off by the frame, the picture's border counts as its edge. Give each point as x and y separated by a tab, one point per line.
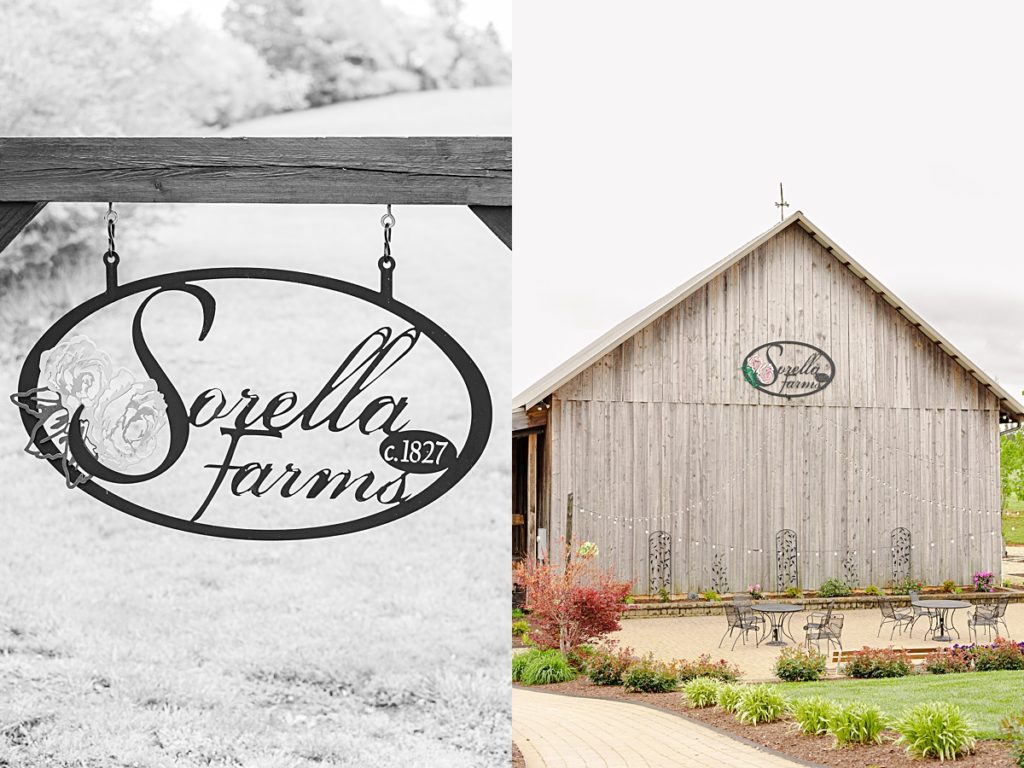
1013	522
986	697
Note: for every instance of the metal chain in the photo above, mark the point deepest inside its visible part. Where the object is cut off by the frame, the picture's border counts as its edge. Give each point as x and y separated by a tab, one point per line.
111	218
110	258
388	222
386	263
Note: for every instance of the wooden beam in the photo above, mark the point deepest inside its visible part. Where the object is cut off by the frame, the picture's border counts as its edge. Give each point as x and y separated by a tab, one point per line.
498	219
533	418
531	495
14	217
407	171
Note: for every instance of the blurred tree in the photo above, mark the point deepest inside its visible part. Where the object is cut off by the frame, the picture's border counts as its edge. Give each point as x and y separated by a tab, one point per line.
85	67
1011	468
357	48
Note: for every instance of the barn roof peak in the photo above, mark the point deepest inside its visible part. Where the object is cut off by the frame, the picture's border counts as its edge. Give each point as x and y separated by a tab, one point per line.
597	349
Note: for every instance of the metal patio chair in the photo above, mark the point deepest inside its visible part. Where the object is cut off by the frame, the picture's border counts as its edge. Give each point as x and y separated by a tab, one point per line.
745	605
898	617
817	619
831	631
737	622
989	616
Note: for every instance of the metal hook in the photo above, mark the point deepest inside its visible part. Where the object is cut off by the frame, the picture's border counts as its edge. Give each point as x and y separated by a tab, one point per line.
386	262
110	258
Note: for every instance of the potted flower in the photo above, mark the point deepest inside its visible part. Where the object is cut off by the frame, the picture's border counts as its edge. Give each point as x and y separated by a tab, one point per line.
755	592
983	581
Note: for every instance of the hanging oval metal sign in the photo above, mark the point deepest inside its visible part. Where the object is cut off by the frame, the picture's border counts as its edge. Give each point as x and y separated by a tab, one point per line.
788	369
108	430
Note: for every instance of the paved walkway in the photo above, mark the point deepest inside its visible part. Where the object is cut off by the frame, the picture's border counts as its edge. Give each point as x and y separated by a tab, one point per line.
687	637
568	732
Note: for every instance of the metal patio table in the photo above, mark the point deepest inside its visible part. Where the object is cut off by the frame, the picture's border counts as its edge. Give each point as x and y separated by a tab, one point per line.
942	610
777	614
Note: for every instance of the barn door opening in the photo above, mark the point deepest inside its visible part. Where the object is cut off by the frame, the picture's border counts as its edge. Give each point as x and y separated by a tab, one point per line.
529	518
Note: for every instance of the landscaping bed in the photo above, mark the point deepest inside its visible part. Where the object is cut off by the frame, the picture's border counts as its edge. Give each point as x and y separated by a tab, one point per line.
642	608
518	761
781	736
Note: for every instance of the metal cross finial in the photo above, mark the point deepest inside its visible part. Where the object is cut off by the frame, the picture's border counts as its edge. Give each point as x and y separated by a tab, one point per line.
782	205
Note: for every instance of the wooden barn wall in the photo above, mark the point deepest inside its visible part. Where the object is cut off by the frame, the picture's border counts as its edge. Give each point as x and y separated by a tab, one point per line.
663	434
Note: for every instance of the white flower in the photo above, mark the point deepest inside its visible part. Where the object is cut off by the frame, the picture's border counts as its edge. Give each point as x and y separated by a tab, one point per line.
126	421
76	371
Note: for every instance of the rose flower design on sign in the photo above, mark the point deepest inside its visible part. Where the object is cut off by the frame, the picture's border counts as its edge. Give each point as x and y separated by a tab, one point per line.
123	415
105	426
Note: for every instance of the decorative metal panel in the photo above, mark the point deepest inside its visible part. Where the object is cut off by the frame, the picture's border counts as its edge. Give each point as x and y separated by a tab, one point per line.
659	557
720	574
900	554
785	559
850	575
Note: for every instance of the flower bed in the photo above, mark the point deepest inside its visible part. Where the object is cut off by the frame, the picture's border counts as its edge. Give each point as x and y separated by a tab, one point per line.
781	736
642	608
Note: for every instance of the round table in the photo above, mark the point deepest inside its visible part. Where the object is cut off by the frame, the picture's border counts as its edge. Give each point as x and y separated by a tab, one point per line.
777	613
942	609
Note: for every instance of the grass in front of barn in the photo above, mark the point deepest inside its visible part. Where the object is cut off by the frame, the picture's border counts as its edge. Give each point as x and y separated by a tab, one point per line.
127	644
986	697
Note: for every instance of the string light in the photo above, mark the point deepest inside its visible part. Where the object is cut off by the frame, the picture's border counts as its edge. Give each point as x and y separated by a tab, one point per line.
853	463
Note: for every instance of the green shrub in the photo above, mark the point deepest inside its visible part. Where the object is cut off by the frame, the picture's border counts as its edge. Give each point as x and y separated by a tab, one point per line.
811	715
796	663
872	590
607	665
760	704
729	696
545	668
648	675
944	661
519	662
579	657
664	595
517	613
906	586
878	662
793	592
702	692
834	588
937	730
1013	727
628	600
712	596
520	628
857	724
1002	654
704	667
948	586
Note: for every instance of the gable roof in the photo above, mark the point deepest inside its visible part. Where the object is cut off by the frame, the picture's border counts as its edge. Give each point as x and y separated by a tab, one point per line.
637	322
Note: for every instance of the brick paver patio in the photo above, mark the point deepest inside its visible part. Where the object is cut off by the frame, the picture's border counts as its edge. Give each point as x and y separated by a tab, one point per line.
688	637
566	732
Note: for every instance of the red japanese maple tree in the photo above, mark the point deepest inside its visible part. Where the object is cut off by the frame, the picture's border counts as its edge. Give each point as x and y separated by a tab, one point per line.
571	604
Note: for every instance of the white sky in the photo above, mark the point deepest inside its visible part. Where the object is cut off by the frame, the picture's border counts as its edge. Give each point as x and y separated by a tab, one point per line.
651	144
478	12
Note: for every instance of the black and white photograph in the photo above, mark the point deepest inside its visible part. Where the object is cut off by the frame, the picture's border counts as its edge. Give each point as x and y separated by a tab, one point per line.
253	330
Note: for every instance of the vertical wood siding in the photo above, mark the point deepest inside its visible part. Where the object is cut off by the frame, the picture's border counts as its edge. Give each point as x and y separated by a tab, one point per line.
663	433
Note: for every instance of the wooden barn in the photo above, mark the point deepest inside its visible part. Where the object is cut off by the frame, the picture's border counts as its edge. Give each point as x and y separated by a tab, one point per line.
780	419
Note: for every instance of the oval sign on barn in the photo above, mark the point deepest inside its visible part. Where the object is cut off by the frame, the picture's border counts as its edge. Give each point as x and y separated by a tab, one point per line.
788	369
254	404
